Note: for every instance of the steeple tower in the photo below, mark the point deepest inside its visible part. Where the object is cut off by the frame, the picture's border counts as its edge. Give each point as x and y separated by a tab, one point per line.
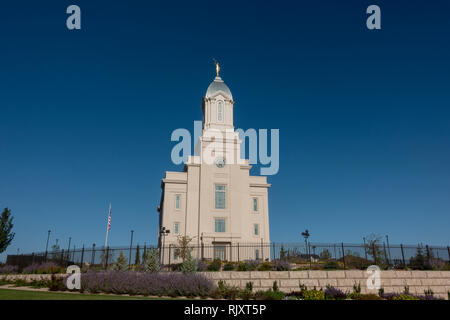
217	105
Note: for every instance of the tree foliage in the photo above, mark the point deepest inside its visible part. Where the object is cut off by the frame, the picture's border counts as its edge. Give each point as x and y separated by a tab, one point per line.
121	262
6	225
137	259
182	248
152	260
189	264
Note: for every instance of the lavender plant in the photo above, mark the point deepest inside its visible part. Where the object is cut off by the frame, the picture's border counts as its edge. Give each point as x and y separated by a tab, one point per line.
155	284
8	269
334	293
281	265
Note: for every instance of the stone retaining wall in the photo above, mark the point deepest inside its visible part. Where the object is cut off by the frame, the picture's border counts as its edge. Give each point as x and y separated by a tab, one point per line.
391	281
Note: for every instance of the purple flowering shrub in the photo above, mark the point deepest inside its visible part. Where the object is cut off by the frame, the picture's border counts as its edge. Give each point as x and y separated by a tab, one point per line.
8	269
154	284
201	265
281	265
335	293
44	268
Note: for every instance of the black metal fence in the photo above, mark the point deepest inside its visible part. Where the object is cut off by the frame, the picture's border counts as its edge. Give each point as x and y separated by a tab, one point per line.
311	255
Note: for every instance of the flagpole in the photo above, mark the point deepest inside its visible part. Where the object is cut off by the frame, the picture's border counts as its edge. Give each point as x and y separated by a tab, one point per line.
107	226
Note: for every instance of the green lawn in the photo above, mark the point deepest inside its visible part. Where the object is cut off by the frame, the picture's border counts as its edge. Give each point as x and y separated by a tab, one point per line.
11	294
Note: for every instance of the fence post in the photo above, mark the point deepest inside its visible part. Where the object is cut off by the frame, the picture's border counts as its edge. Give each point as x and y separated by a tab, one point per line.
374	252
231	251
203	250
239	260
170	254
385	254
262	250
273	247
107	256
309	256
343	254
403	256
62	256
82	257
93	254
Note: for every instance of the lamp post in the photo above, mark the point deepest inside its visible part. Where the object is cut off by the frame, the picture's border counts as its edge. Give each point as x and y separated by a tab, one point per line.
68	249
46	246
365	252
389	248
131	246
164	233
306	236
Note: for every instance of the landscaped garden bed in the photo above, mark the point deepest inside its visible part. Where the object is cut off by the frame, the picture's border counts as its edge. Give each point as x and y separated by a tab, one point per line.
198	286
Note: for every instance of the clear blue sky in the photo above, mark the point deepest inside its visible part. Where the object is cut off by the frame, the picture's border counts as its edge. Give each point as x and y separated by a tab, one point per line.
363	115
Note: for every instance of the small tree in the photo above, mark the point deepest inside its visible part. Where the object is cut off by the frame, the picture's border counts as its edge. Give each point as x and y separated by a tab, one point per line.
373	247
282	253
189	264
55	250
137	259
6	225
144	254
152	261
121	262
325	254
418	262
182	248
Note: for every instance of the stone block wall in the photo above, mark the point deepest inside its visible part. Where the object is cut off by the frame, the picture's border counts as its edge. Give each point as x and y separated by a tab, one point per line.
391	281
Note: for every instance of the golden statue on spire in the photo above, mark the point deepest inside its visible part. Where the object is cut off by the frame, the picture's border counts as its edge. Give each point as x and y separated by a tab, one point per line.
217	67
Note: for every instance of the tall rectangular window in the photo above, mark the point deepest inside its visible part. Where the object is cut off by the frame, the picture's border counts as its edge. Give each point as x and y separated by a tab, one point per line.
219	199
256	254
176	228
256	229
177	201
255	204
219	225
219	111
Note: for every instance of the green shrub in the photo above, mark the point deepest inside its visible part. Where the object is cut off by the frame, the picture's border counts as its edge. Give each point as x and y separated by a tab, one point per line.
275	287
215	265
405	297
189	264
176	267
313	295
273	295
265	266
57	284
247	266
357	287
360	296
151	260
229	266
330	265
226	291
121	262
247	293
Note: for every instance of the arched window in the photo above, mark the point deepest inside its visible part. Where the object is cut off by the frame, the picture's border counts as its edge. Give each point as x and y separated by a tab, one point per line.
219	111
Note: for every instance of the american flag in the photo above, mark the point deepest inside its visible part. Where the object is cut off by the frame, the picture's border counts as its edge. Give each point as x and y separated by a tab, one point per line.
109	218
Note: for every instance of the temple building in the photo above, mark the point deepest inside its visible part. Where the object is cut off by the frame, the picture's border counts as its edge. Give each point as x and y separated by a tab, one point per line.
217	202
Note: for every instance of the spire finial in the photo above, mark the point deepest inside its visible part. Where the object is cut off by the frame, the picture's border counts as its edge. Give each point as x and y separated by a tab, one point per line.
217	67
